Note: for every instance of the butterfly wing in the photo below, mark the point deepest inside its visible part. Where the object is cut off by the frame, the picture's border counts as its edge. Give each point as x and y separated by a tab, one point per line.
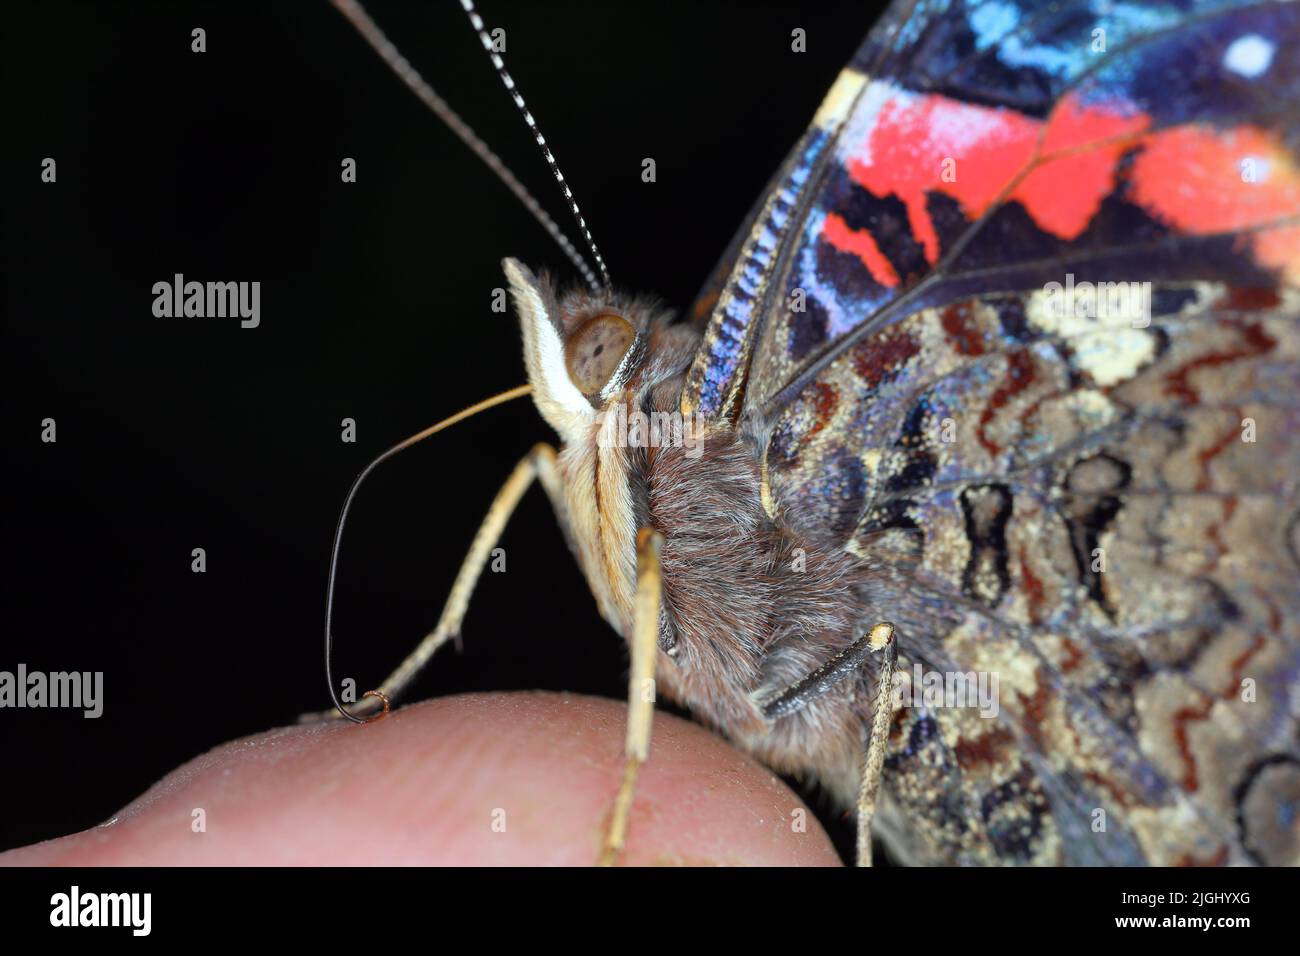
977	146
1122	557
1097	504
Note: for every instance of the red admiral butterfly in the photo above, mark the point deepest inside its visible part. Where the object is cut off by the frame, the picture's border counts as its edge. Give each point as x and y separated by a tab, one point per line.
1007	357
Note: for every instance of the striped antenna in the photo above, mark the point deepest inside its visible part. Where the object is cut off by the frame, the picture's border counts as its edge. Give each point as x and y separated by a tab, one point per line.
477	22
367	27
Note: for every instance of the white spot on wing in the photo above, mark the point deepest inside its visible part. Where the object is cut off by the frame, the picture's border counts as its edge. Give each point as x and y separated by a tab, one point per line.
1114	356
1249	55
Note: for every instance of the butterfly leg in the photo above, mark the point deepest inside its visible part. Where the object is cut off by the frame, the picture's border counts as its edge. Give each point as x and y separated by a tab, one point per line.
538	464
835	670
874	768
641	687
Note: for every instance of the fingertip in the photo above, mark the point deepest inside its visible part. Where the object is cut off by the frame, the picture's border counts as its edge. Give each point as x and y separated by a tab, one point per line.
480	779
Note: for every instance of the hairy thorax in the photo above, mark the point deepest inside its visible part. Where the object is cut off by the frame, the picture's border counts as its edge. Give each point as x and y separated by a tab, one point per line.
749	606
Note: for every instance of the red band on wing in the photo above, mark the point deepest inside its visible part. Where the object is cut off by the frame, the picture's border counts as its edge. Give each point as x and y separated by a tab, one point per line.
1195	178
1202	180
862	244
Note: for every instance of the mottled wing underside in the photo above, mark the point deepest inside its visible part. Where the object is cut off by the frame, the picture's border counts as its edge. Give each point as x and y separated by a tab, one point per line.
1099	505
1117	554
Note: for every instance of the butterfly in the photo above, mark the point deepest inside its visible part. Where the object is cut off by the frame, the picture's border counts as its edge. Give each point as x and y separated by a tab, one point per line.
968	489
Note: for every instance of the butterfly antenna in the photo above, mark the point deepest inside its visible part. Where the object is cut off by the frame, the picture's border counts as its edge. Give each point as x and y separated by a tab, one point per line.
487	403
367	27
477	22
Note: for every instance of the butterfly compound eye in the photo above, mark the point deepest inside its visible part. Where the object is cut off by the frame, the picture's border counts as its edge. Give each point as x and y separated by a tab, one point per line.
594	352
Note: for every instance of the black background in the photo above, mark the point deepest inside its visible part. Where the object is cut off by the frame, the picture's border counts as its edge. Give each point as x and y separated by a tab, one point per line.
181	433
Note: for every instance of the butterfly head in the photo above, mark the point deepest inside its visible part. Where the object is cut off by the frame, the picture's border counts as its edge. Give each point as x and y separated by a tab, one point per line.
584	351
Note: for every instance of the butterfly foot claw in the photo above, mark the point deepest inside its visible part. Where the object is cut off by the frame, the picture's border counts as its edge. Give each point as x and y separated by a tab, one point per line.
383	699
